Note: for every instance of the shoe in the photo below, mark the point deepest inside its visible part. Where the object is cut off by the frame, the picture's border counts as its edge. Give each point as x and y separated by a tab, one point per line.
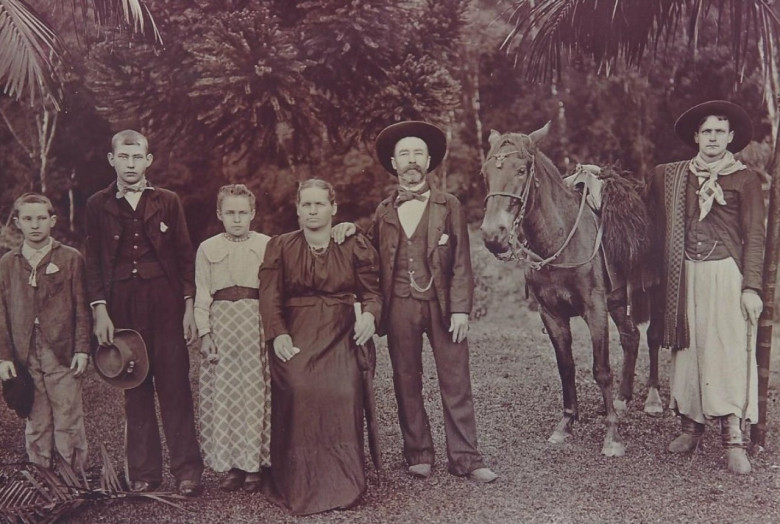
684	443
738	462
190	488
253	482
141	486
422	471
233	480
483	475
689	437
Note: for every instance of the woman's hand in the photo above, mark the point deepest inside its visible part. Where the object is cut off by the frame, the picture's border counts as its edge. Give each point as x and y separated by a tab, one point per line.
284	349
365	327
208	348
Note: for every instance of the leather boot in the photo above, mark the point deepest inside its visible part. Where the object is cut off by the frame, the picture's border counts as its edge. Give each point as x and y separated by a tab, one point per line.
689	438
735	444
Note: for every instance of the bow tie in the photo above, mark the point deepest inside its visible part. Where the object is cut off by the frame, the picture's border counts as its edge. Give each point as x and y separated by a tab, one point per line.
405	195
122	190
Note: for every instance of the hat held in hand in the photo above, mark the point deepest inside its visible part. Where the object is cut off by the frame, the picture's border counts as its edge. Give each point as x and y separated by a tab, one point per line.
125	363
19	392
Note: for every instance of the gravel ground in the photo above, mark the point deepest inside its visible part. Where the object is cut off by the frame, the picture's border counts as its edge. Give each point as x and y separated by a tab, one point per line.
518	402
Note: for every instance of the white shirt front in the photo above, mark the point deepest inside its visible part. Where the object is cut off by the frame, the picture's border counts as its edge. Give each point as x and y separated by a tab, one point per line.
411	211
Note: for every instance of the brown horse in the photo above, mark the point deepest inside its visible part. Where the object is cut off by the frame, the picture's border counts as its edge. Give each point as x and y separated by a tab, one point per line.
532	216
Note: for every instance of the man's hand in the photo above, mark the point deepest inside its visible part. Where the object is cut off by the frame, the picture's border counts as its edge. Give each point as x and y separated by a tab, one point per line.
190	330
365	327
284	349
340	232
7	370
459	327
104	327
752	305
208	348
79	364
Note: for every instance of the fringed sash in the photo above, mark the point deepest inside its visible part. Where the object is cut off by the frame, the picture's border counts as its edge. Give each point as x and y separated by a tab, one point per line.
676	334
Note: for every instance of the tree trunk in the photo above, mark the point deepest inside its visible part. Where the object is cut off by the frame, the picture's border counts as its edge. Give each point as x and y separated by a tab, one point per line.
765	323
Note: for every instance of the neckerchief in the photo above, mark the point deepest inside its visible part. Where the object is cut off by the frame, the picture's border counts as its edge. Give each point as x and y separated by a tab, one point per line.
709	189
406	194
138	187
34	257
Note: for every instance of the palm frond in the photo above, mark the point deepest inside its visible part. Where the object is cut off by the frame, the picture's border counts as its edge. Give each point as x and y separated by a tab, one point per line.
33	494
545	31
30	54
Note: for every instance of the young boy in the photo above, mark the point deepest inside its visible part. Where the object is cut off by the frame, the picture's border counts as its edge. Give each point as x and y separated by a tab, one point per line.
44	325
140	275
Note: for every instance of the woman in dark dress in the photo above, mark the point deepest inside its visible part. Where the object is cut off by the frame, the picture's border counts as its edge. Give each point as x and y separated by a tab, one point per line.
308	285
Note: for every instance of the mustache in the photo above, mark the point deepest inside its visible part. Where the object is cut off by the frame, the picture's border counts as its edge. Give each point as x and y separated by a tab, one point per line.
411	167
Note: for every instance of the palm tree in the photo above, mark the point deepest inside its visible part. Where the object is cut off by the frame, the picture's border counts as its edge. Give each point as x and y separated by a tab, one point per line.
32	56
546	32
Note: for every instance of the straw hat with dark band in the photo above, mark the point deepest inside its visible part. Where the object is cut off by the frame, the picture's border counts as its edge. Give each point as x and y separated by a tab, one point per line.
739	122
428	133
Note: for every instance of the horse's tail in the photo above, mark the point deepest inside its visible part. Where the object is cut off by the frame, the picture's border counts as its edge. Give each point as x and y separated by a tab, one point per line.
625	220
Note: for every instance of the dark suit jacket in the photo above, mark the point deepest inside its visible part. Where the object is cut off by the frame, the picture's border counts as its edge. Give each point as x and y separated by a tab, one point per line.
449	257
59	302
165	227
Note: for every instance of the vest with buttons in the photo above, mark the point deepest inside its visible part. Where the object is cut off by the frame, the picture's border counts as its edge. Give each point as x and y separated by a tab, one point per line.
412	255
135	254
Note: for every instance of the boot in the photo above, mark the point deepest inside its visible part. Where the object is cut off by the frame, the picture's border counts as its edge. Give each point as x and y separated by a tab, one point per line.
735	444
689	438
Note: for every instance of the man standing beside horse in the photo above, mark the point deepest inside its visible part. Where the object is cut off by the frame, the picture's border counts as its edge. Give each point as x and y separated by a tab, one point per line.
427	283
712	241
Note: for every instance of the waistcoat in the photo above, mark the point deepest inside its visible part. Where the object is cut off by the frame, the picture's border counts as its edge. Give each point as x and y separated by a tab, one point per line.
412	255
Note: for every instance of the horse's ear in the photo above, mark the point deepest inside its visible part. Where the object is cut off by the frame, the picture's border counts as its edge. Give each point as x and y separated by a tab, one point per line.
494	136
540	134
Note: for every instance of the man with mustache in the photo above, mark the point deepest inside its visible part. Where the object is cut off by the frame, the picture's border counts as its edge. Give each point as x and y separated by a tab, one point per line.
427	283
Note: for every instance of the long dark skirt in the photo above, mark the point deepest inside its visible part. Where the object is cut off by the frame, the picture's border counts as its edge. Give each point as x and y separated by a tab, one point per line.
317	452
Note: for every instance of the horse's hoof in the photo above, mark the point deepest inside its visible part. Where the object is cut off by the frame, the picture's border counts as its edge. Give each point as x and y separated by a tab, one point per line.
558	437
613	449
653	404
621	405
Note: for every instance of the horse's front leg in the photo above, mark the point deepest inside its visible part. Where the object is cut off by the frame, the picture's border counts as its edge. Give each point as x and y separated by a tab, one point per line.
559	330
629	341
596	318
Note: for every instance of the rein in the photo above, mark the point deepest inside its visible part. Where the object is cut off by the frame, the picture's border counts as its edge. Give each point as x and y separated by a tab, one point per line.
520	250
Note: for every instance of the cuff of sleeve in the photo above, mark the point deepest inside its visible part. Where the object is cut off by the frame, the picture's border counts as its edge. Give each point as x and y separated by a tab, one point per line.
96	302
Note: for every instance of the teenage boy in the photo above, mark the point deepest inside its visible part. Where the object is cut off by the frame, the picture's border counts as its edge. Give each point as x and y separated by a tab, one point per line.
140	275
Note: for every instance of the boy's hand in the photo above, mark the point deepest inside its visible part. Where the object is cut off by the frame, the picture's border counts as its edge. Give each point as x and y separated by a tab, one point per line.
79	364
188	323
208	348
340	232
365	327
7	370
104	327
284	349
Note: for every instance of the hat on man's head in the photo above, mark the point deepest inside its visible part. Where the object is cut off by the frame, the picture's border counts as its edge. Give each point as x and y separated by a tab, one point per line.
19	392
125	363
428	133
739	122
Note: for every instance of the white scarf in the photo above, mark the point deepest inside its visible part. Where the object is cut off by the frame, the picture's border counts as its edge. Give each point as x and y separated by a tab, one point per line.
708	173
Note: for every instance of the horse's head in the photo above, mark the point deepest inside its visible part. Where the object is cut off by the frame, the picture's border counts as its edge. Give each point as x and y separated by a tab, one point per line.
509	177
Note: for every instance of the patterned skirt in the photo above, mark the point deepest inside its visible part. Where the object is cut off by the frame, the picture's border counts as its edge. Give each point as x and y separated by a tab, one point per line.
235	391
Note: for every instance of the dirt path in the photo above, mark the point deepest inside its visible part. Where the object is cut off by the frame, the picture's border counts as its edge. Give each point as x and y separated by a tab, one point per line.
518	402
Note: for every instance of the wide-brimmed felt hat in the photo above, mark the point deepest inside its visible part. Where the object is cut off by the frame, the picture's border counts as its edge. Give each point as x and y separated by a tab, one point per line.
428	133
739	122
125	363
19	392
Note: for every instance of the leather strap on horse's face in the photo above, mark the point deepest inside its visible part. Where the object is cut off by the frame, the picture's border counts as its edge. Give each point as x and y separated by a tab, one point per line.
523	197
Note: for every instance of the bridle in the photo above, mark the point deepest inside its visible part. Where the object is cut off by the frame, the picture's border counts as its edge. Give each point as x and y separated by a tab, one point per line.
521	252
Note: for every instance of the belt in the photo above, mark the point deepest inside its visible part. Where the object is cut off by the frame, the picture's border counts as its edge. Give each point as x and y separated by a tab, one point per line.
328	299
234	293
